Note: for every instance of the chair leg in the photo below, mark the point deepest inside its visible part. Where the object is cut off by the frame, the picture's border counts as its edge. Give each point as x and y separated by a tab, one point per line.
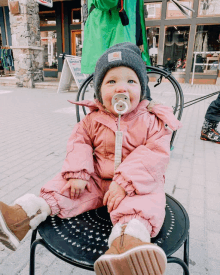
33	237
180	262
32	255
186	251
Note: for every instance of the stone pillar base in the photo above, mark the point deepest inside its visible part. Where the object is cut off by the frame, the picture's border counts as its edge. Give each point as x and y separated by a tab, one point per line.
29	65
26	43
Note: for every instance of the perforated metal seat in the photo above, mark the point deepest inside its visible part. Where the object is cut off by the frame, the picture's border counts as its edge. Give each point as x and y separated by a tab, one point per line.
81	240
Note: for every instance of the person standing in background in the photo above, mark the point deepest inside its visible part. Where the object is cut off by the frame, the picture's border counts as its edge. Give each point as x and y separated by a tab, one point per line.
209	130
105	27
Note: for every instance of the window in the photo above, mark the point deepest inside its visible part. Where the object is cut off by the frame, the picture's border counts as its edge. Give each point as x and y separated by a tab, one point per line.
175	49
153	42
76	40
0	37
209	8
76	16
47	18
49	43
173	12
207	40
153	11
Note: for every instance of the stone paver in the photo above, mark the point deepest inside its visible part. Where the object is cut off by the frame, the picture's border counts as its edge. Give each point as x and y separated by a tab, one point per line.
34	128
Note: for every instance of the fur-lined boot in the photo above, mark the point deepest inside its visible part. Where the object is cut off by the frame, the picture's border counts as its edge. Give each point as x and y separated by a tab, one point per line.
27	213
131	252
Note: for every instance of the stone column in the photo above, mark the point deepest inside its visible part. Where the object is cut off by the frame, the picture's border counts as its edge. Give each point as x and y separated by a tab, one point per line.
27	52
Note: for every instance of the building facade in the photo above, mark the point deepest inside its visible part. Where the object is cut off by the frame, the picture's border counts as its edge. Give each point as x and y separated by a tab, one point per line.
61	32
5	41
172	37
57	29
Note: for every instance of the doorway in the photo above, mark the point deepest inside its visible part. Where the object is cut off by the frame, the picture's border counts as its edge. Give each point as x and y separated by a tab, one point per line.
76	43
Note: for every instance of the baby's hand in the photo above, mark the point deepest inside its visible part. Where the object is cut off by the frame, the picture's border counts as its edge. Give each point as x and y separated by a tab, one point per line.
76	186
114	196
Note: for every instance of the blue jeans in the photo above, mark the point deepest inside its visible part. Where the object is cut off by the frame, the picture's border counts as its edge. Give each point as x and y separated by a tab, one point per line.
213	111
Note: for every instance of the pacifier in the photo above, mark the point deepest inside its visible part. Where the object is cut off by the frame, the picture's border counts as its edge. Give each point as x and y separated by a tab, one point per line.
120	103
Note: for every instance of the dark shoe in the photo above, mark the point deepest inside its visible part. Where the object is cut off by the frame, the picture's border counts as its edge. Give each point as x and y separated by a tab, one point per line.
214	127
209	131
210	135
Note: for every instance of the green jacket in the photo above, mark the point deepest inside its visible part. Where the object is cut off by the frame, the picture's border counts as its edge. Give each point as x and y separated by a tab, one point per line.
104	29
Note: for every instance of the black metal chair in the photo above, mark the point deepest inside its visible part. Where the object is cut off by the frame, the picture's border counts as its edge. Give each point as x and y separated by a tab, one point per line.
81	240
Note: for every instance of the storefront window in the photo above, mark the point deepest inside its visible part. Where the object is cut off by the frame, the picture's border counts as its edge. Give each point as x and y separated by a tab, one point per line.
209	8
207	40
0	37
49	43
153	11
173	12
153	42
47	18
76	16
175	49
76	39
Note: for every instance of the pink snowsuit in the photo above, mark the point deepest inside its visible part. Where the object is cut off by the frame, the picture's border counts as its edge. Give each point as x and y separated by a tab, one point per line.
90	157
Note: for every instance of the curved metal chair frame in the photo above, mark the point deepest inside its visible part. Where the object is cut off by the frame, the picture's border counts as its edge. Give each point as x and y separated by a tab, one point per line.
80	240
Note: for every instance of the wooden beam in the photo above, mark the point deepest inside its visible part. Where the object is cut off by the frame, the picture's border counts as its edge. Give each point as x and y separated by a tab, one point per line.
62	27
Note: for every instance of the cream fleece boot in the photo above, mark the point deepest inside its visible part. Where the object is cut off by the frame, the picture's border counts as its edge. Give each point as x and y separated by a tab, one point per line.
15	221
131	252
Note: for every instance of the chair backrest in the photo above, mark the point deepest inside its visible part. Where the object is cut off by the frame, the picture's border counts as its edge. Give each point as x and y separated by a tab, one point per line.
179	102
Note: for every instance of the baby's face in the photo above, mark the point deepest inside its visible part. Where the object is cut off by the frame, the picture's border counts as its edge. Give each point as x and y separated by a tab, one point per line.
120	80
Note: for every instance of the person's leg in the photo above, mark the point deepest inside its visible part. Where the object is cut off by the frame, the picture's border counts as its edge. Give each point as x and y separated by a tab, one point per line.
29	210
63	206
149	209
209	130
213	111
135	220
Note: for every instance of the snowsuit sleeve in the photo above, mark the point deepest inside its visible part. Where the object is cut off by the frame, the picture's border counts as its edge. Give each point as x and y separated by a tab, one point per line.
79	158
144	168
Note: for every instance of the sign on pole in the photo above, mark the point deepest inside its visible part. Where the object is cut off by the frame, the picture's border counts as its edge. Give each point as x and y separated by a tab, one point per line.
71	70
48	3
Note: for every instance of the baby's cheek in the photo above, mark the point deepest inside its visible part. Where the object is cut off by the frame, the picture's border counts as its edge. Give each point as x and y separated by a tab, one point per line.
133	105
108	96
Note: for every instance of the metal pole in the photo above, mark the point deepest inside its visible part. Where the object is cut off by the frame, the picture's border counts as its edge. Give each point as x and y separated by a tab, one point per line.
186	251
194	66
6	30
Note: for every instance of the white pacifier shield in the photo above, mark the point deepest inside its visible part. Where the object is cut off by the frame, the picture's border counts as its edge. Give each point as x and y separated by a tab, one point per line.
120	103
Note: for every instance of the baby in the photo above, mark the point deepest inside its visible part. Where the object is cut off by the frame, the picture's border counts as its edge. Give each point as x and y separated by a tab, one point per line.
133	190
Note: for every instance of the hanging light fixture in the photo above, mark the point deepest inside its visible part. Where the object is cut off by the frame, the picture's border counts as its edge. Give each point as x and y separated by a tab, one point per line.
182	7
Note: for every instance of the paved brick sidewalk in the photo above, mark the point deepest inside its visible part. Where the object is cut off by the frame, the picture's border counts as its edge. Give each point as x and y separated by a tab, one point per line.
34	128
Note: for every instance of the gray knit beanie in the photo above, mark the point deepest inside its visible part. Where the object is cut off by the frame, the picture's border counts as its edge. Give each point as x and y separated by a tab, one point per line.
124	54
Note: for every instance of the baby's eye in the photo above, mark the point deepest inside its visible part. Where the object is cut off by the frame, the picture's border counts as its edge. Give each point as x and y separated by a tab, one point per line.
111	81
131	81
